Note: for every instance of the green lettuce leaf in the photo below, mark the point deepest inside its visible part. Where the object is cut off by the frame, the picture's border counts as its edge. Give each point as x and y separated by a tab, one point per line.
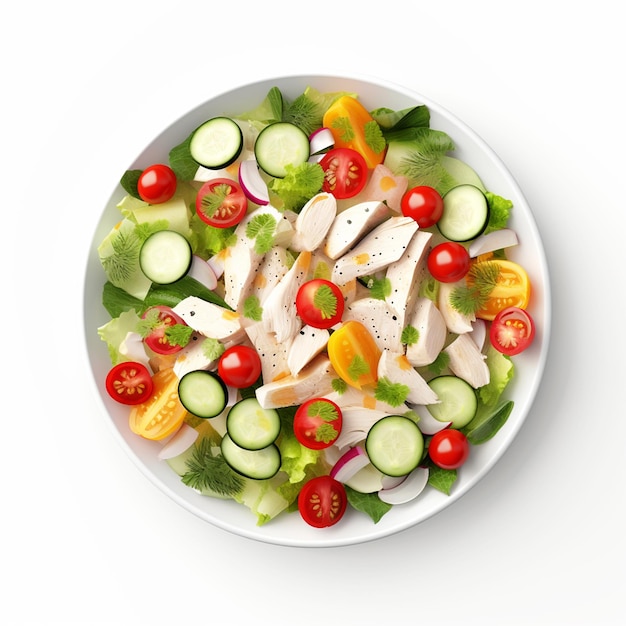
499	212
114	332
368	503
301	183
501	371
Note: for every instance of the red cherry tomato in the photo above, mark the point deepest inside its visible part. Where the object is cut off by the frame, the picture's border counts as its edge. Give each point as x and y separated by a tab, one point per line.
161	318
449	448
423	204
156	184
345	172
512	331
448	262
322	501
320	303
221	203
317	423
239	366
129	383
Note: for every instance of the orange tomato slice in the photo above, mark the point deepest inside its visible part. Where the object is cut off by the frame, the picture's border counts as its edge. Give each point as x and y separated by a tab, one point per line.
350	123
163	413
354	354
512	289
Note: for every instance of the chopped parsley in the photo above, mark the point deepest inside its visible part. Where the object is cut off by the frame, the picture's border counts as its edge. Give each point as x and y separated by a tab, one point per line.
410	335
358	367
252	308
393	394
262	228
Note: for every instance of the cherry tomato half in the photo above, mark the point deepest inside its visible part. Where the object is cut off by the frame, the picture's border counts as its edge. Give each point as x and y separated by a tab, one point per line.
322	501
161	317
129	382
345	172
512	289
424	204
320	303
239	366
449	448
317	423
512	331
221	203
156	184
162	413
448	262
354	354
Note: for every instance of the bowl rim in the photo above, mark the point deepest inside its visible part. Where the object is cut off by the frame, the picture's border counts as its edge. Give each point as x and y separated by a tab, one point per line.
317	539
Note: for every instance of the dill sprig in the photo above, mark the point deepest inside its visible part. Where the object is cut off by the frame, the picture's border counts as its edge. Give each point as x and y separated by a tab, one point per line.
481	279
207	471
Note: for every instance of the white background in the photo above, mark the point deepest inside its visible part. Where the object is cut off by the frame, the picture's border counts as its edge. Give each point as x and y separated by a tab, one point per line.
86	539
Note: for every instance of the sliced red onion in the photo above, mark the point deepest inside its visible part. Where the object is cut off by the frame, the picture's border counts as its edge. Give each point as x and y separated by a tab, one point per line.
349	464
182	440
321	139
203	272
216	263
252	182
495	240
427	423
408	489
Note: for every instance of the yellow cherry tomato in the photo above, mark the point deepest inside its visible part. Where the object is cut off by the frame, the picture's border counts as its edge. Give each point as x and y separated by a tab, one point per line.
353	127
162	414
512	289
354	354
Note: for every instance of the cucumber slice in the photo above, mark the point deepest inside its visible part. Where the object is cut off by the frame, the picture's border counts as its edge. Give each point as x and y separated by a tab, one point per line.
465	213
395	445
251	426
279	145
165	257
202	393
255	464
217	143
457	401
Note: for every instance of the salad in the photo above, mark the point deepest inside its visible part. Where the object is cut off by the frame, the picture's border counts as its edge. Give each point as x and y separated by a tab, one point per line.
312	307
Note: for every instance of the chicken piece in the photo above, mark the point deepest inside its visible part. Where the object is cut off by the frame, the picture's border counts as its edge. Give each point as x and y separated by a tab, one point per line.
432	332
313	222
406	273
192	357
381	247
352	224
241	263
212	320
313	380
379	318
307	344
273	354
242	260
269	273
279	310
395	367
467	361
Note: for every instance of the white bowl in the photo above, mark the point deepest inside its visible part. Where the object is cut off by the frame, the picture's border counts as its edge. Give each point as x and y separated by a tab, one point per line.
289	529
